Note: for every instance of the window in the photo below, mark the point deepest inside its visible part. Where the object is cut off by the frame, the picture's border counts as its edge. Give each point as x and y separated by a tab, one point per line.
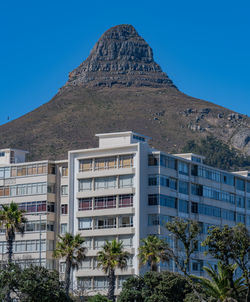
209	210
240	218
105	202
84	223
105	163
2	154
126	181
64	209
26	189
127	240
105	223
125	221
240	184
86	264
65	171
64	190
158	219
139	138
153	160
183	206
84	283
125	201
248	186
84	204
227	179
63	228
183	168
168	201
194	207
196	189
105	182
183	187
126	161
85	165
153	199
196	159
85	184
240	201
122	279
228	215
100	282
155	180
168	162
100	241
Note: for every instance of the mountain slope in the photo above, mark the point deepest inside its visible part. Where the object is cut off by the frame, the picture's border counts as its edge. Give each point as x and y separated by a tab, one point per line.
119	87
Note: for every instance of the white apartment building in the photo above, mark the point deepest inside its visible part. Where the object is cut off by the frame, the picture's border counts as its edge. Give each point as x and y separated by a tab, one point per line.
125	190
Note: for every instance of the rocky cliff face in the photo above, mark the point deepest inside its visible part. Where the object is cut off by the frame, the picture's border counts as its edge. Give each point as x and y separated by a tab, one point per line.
122	58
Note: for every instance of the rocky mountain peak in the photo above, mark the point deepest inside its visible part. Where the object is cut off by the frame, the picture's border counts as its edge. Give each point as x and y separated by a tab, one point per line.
120	57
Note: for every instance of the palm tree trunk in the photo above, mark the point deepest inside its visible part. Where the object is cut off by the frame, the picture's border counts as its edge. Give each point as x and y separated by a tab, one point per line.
111	288
67	276
10	248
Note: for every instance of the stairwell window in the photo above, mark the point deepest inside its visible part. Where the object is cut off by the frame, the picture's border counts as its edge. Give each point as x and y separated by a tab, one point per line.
64	190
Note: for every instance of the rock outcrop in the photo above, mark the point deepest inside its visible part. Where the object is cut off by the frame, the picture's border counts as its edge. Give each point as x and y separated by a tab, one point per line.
122	58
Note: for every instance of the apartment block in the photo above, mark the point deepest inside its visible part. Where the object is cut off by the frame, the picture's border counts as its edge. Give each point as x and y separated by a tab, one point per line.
123	190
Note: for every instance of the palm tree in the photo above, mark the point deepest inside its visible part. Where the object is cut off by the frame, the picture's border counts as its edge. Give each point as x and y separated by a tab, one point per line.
70	247
218	286
12	220
112	256
153	251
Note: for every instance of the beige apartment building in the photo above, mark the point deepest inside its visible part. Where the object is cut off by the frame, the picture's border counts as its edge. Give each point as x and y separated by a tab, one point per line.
123	190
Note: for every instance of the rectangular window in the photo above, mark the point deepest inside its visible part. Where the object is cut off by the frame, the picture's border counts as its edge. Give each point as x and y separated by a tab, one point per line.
125	221
105	163
105	182
153	199
125	200
126	161
183	206
168	201
240	218
63	228
168	162
240	201
65	171
126	181
100	283
196	189
84	204
105	202
183	168
153	160
127	240
105	223
84	283
85	184
64	209
84	223
240	184
64	190
183	187
228	215
85	165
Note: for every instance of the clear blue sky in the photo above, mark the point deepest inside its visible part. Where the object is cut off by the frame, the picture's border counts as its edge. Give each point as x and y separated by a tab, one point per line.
204	46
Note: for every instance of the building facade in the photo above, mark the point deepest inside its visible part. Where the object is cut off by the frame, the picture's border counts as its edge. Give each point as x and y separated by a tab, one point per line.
122	190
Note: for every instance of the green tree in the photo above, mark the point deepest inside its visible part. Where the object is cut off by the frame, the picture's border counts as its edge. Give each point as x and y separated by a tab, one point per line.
230	245
158	287
12	220
98	298
70	248
186	232
219	286
112	256
31	284
153	251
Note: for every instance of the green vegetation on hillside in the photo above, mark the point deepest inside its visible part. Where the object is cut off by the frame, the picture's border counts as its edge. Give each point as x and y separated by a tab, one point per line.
218	154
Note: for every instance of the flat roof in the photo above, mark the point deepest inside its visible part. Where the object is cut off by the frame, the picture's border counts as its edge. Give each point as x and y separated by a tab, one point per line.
117	134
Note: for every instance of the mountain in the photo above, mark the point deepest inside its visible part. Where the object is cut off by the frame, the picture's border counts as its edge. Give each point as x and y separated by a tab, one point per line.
120	87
